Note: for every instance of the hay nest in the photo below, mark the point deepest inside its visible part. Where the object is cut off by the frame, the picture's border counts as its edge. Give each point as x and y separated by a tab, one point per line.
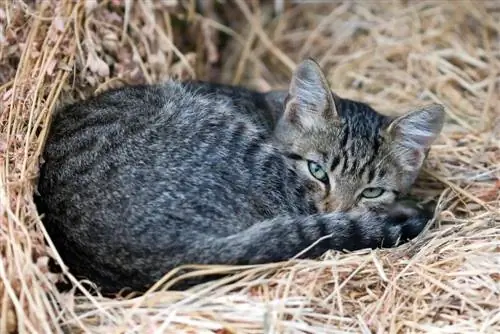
389	54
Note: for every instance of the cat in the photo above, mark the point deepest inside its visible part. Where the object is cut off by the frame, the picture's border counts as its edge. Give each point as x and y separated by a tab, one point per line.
144	178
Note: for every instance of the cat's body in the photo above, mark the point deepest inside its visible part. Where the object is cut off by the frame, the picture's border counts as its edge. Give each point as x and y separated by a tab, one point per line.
142	179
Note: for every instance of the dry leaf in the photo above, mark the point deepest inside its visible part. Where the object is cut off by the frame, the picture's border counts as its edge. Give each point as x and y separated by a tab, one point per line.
51	66
58	23
97	65
90	5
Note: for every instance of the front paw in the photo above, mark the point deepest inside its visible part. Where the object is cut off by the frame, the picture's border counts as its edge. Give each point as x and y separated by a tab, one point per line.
404	220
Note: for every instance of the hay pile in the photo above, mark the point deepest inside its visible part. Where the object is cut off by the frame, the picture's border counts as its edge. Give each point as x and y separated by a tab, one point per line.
390	54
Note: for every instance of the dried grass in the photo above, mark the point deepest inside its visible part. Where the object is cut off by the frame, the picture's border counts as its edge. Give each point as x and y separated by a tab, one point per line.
390	54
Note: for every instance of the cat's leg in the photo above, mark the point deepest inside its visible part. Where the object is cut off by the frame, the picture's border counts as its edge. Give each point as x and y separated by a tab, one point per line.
284	237
274	240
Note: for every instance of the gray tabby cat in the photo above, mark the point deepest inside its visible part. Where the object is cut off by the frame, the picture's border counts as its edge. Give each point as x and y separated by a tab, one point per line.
141	179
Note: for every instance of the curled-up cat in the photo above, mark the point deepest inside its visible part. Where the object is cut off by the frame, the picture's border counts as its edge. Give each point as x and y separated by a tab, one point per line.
141	179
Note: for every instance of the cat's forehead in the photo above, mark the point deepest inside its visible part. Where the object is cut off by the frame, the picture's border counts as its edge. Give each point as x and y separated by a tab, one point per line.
359	151
361	120
344	140
358	135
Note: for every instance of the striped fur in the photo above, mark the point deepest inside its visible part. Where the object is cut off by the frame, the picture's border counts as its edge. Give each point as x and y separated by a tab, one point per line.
141	179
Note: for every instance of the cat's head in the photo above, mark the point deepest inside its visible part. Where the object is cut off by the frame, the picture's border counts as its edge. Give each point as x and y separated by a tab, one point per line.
348	155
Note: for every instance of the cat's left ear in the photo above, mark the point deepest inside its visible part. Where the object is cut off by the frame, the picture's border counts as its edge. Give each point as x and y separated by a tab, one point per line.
412	135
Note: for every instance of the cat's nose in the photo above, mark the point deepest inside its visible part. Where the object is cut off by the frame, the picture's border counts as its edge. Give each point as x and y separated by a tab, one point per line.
336	204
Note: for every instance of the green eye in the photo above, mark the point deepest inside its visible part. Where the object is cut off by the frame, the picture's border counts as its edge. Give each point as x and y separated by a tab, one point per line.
317	171
372	192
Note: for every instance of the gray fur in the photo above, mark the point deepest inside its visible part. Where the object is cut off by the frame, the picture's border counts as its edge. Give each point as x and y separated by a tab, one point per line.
141	179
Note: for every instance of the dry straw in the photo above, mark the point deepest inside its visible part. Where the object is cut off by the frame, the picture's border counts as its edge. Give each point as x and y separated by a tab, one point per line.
391	54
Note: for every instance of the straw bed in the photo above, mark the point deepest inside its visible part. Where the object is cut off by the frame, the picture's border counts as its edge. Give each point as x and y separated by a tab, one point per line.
393	55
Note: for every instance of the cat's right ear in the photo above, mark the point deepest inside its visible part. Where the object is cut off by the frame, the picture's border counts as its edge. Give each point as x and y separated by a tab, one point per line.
310	101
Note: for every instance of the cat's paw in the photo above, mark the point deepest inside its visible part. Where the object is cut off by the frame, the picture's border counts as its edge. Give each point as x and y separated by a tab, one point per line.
403	221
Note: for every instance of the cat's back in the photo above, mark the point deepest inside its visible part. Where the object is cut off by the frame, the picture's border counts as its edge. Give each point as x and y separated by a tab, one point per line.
145	120
140	152
123	113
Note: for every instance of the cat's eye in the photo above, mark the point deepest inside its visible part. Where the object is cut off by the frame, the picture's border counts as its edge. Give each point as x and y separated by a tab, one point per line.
317	171
372	192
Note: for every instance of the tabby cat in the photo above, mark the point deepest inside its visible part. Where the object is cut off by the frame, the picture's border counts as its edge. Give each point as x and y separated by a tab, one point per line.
141	179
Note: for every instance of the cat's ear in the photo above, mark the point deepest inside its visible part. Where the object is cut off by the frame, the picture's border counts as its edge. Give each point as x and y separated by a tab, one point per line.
412	135
310	99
